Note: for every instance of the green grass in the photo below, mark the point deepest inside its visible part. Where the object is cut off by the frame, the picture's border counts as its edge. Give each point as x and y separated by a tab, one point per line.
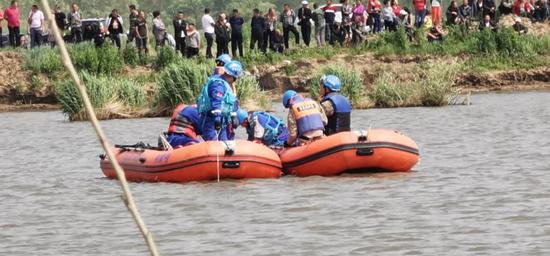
43	60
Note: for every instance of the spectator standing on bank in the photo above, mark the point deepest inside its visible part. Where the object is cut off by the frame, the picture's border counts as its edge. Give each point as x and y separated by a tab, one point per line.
236	22
436	12
271	25
489	8
36	26
142	33
319	20
505	7
419	12
330	18
396	8
115	28
452	14
221	29
359	12
257	28
75	23
11	15
180	33
133	20
208	24
60	19
288	19
304	20
465	13
541	10
390	20
192	41
1	19
376	10
159	30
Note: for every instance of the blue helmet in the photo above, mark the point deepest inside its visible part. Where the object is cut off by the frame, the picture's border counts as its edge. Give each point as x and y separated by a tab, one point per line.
287	96
242	115
225	58
332	82
233	68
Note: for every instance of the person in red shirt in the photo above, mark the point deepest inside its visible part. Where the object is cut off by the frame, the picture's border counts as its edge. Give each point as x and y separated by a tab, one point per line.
11	15
1	19
396	8
419	12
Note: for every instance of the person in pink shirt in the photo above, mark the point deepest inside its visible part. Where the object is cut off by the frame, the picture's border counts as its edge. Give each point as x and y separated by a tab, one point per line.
11	15
1	19
359	12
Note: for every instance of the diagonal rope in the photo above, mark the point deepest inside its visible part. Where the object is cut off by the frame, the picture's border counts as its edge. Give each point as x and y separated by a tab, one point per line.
126	194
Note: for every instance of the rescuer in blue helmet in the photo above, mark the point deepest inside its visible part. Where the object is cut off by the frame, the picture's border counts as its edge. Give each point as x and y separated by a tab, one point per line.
336	106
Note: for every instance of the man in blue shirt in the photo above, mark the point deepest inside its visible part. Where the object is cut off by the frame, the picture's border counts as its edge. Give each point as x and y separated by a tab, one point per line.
236	22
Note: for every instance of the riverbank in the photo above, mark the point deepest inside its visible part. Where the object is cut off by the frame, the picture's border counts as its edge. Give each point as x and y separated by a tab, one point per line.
387	71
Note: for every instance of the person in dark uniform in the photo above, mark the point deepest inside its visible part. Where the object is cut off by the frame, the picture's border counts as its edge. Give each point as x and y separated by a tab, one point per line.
304	20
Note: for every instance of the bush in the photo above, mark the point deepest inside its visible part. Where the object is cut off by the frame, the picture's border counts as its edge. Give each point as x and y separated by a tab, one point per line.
109	60
352	84
84	57
436	82
107	96
165	57
43	60
181	83
250	94
388	91
130	55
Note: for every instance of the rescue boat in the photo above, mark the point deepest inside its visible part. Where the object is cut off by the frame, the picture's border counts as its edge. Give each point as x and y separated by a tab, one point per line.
377	150
200	162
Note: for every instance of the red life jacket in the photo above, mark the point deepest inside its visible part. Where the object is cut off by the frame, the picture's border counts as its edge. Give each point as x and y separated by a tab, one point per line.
181	124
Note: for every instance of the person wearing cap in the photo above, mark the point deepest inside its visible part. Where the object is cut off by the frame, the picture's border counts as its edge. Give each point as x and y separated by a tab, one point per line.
336	106
306	119
264	128
304	20
184	126
218	104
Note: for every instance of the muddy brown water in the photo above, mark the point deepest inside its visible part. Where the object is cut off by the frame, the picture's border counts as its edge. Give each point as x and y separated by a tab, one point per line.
482	188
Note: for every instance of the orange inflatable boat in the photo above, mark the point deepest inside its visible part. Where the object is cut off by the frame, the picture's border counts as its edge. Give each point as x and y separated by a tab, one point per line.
204	161
372	151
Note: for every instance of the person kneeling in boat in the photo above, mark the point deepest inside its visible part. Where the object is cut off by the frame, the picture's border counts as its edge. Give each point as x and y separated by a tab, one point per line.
184	124
336	106
218	104
306	119
264	128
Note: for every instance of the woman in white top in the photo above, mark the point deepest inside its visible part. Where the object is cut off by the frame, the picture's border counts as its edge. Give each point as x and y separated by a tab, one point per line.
75	23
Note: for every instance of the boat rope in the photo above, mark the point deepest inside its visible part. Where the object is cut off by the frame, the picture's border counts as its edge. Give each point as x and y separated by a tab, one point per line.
126	196
218	155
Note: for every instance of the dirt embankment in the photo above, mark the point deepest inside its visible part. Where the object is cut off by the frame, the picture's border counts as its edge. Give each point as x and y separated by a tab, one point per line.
298	75
20	89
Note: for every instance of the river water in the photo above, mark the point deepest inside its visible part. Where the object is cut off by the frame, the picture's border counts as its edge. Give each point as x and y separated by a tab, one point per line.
481	188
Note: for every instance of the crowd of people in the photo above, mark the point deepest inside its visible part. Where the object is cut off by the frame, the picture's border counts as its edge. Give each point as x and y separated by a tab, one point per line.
217	113
341	23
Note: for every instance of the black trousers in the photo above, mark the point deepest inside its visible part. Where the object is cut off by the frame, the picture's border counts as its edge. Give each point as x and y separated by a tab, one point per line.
192	52
209	42
257	38
286	34
237	42
1	41
306	33
180	45
76	33
115	38
267	40
222	45
14	36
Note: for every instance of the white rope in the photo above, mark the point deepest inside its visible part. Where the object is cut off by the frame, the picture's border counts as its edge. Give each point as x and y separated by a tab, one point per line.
126	193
